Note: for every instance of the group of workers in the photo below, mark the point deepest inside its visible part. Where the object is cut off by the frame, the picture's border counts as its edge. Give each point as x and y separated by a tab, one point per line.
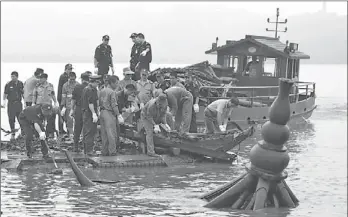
104	100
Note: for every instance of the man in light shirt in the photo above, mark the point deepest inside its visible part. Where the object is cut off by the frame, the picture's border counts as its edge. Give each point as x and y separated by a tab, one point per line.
217	113
29	86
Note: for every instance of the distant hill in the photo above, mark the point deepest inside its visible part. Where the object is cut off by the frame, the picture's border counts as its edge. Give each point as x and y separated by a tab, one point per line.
177	35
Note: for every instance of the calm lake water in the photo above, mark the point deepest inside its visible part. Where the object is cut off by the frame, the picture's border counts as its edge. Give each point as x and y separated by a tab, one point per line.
317	168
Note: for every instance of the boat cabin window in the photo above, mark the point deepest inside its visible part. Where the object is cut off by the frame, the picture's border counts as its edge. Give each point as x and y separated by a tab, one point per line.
269	67
230	62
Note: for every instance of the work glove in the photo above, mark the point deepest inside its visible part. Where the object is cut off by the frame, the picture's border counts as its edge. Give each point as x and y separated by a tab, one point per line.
225	127
143	53
142	105
196	108
42	136
168	127
62	112
95	70
3	105
156	129
120	119
132	108
222	128
95	118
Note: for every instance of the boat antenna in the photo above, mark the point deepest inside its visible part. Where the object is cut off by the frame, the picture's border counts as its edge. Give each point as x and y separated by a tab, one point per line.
277	22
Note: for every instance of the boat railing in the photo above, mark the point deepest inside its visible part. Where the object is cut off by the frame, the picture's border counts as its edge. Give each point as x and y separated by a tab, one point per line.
300	91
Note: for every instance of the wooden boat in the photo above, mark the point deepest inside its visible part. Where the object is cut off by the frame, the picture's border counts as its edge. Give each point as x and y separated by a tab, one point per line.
256	92
211	145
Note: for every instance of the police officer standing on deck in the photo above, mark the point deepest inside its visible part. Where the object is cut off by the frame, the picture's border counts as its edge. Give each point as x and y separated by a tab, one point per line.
103	57
90	113
14	94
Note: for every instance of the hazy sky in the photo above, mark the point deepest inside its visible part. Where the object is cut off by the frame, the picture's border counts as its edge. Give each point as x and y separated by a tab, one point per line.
77	27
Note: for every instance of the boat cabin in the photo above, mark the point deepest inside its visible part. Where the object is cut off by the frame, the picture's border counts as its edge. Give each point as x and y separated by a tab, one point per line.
257	60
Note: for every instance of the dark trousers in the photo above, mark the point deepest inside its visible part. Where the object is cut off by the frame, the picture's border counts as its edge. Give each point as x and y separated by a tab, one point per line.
28	103
103	69
89	130
29	131
60	124
13	111
51	124
77	126
193	125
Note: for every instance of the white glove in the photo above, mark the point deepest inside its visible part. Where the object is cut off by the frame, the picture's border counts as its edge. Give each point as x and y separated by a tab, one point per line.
132	109
156	129
222	128
120	119
142	105
71	114
62	112
95	118
95	70
196	108
56	104
168	127
225	127
42	136
143	53
3	105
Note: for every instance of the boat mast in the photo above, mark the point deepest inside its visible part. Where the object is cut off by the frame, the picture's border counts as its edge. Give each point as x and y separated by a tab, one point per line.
277	22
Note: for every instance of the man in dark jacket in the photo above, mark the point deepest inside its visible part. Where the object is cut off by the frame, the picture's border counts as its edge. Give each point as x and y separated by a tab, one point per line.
14	94
103	57
134	52
145	55
62	80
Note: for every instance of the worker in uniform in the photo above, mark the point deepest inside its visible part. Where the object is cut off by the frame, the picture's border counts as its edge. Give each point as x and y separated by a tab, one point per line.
127	102
90	113
180	103
161	83
134	56
62	80
31	119
14	94
65	104
76	108
103	57
174	81
44	94
145	87
29	86
110	117
217	113
128	74
192	86
144	53
153	114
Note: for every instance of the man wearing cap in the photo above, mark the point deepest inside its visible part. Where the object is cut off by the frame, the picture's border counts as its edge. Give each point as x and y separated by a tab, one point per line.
128	73
145	54
217	113
14	94
32	118
134	53
29	86
62	80
192	86
103	57
180	103
153	114
109	117
44	94
161	82
76	109
90	112
65	105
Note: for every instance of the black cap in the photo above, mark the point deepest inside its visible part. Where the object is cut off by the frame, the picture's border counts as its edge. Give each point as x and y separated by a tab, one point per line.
140	35
38	71
94	77
85	76
43	75
69	65
133	35
46	107
106	37
131	87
